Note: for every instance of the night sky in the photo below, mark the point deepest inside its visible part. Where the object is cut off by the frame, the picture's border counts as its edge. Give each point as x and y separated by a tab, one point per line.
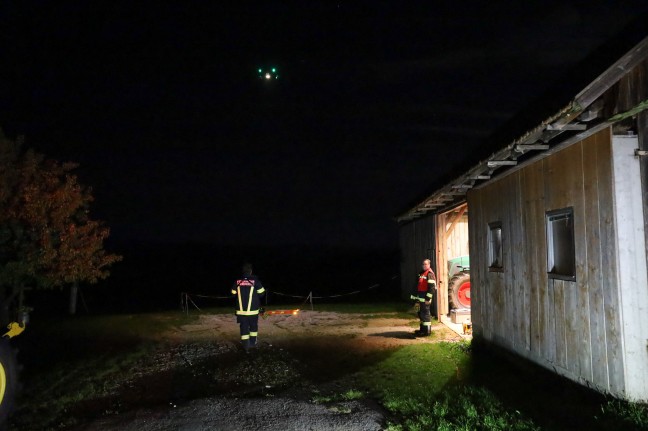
376	104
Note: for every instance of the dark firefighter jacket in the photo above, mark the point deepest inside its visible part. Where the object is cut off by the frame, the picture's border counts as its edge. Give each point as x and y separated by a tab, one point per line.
248	290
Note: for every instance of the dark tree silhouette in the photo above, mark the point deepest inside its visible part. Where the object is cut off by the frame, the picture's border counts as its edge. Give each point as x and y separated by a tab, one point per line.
47	238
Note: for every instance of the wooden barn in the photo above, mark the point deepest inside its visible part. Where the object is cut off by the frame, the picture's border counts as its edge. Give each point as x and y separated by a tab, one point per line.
557	224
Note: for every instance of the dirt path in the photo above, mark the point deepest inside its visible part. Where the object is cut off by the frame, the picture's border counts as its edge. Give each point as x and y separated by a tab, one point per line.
200	379
382	331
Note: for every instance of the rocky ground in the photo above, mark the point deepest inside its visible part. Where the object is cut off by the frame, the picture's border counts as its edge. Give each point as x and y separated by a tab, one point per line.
198	378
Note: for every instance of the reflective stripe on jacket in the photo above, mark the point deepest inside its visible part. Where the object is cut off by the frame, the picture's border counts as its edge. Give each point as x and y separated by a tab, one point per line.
426	284
248	290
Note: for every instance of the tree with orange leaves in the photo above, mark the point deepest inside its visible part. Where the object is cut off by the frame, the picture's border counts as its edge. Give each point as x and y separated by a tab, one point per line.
47	238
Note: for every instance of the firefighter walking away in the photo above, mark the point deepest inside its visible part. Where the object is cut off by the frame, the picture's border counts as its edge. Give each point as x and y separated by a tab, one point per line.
248	292
426	288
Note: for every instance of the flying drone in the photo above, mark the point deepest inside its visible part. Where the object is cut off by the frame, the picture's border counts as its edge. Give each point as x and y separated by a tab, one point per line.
268	74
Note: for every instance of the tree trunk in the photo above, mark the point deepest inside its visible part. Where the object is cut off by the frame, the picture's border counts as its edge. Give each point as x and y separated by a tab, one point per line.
74	290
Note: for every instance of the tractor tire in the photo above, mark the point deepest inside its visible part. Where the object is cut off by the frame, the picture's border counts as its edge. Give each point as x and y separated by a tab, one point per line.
459	291
8	380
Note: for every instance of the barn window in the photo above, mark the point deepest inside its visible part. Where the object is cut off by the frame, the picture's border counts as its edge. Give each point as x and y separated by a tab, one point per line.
495	262
561	253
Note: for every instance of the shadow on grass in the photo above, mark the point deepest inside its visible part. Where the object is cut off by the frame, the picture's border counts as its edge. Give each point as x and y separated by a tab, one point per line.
551	401
401	335
330	358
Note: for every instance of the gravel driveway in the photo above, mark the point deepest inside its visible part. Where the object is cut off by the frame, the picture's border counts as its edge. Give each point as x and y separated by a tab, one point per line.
247	414
201	380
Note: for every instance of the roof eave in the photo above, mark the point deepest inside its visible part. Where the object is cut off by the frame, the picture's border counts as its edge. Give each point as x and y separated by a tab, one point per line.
538	139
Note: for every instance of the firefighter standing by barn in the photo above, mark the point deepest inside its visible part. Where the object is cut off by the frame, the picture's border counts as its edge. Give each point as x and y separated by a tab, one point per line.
426	288
248	292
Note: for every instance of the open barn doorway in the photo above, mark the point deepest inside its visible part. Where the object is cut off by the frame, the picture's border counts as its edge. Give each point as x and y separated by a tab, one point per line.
453	267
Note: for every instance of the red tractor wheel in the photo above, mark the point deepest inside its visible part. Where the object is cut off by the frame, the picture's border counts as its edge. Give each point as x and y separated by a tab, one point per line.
459	291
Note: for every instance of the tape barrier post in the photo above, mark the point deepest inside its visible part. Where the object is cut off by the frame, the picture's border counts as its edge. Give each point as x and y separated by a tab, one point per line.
310	297
183	303
187	299
194	304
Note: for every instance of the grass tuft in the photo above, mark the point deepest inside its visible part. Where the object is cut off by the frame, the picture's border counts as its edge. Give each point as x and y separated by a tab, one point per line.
352	394
627	415
349	395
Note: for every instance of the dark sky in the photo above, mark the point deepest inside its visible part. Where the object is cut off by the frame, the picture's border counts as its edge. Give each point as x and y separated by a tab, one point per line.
376	103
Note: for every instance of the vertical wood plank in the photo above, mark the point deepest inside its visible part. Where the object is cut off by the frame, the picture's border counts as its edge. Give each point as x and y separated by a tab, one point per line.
516	311
502	279
509	219
608	265
485	281
576	299
502	316
556	312
582	337
558	287
591	180
496	316
545	294
583	221
442	273
529	181
483	292
520	268
565	190
476	286
546	327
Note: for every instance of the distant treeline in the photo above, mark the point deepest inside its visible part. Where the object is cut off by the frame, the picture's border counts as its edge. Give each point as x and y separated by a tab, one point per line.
153	275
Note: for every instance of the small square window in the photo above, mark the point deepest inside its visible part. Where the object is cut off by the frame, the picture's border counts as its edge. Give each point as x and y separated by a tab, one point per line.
495	261
561	252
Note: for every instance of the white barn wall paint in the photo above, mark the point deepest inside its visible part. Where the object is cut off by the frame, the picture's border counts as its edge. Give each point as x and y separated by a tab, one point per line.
631	261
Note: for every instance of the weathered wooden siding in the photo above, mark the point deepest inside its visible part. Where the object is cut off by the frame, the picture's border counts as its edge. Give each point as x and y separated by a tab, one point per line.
441	265
570	326
451	241
456	243
417	242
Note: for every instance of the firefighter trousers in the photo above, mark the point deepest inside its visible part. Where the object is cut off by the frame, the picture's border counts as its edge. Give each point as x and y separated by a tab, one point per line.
249	326
426	318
